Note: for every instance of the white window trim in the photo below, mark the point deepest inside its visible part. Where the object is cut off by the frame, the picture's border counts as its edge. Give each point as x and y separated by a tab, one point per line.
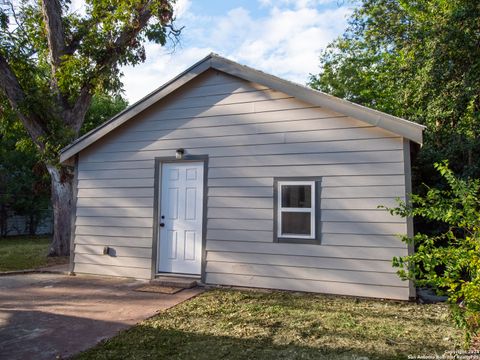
281	209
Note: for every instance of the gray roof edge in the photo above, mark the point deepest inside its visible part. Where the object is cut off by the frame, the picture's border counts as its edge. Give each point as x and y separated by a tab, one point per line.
405	128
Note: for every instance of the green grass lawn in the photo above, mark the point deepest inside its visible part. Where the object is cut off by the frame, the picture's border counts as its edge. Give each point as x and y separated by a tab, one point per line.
230	324
26	252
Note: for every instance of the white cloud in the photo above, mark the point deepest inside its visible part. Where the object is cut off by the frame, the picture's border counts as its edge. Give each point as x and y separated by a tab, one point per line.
298	4
181	7
286	42
78	6
161	67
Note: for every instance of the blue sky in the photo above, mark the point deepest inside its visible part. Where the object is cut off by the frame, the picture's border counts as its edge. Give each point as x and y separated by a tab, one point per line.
281	37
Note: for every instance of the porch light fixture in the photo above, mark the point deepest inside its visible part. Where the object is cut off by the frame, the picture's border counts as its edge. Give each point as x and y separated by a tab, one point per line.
179	154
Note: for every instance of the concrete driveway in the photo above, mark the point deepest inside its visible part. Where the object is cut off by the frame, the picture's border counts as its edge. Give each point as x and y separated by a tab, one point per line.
48	316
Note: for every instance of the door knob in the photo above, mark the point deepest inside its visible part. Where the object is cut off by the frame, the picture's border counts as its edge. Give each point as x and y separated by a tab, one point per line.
162	224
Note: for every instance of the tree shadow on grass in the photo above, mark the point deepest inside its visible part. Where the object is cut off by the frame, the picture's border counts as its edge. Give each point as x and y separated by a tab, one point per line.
145	341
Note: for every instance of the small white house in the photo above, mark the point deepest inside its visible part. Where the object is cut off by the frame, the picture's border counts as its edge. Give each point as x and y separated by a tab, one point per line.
240	178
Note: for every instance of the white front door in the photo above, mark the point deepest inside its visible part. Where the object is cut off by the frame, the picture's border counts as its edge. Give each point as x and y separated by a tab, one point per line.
181	218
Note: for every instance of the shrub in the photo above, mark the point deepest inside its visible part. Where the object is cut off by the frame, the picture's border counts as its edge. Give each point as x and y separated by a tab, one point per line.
449	259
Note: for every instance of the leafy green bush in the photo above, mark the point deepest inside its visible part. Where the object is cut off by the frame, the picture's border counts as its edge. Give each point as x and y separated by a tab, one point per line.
449	260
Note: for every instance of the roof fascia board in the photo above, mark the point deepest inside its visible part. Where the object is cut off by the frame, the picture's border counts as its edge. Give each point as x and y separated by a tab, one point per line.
405	128
141	105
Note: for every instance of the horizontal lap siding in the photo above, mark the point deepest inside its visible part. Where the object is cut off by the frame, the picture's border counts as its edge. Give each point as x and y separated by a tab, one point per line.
125	260
114	209
382	266
339	288
343	252
308	170
146	222
135	232
121	202
309	159
142	244
201	141
332	181
137	212
116	183
100	268
327	192
251	135
247	129
304	273
350	146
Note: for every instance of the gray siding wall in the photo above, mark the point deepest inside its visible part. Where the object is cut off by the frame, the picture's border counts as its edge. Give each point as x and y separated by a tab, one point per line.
251	134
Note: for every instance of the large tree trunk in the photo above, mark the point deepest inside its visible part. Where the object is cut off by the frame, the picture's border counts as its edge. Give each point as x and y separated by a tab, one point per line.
62	202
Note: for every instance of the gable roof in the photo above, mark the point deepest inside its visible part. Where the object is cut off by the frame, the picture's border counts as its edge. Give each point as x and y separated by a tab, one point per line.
402	127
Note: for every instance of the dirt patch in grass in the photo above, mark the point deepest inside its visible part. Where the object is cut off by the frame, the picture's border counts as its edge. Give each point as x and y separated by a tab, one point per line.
230	324
22	252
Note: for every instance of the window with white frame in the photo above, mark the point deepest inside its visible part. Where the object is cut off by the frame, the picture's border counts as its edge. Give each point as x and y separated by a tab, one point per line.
296	209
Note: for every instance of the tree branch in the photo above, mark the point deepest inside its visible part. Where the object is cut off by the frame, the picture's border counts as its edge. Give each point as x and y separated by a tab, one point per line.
125	38
116	50
72	43
76	115
10	86
52	13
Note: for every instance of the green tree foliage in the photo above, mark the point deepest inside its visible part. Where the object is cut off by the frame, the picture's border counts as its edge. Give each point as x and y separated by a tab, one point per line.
54	59
103	107
24	183
450	260
419	60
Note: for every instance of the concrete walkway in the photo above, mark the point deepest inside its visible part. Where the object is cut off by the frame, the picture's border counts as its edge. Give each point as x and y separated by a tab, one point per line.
48	316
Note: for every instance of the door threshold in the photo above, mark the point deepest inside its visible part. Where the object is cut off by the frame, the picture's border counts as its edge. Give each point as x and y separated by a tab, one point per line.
173	280
178	275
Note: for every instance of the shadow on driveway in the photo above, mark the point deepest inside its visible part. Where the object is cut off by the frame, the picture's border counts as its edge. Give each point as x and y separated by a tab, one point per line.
43	316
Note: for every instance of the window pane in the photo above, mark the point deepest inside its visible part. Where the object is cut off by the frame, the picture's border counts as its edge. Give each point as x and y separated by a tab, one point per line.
296	223
297	196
